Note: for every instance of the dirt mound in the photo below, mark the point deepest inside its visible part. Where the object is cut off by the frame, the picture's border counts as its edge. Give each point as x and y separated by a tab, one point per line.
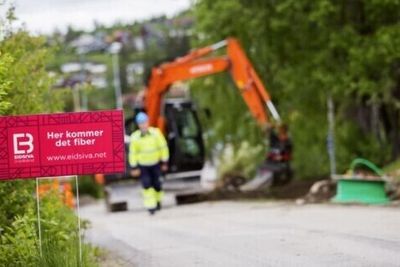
291	191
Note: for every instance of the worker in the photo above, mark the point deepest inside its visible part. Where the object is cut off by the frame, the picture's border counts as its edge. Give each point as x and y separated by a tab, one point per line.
148	156
280	143
285	142
280	154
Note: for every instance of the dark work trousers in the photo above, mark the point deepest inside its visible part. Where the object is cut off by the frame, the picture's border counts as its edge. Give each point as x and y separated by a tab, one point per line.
150	177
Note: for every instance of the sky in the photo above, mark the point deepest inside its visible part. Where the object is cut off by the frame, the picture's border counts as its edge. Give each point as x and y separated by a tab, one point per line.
44	16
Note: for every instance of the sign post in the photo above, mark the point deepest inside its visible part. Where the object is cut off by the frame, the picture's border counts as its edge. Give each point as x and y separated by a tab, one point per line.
79	218
331	136
38	216
48	145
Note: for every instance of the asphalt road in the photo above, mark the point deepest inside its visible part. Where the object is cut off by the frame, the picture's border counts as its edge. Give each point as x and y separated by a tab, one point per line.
229	233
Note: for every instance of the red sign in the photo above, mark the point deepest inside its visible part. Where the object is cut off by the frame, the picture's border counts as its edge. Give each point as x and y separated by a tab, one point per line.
61	144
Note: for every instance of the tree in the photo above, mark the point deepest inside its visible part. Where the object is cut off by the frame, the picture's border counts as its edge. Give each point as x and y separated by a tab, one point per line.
25	87
307	50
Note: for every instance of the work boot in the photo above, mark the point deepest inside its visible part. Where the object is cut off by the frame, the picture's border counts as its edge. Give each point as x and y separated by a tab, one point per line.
152	211
158	205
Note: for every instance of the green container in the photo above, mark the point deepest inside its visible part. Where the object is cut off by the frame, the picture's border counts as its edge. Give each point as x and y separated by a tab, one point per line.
361	191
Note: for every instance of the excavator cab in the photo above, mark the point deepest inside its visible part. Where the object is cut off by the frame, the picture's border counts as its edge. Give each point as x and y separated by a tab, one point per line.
184	136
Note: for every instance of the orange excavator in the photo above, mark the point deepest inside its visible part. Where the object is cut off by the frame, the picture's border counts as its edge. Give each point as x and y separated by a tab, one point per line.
177	118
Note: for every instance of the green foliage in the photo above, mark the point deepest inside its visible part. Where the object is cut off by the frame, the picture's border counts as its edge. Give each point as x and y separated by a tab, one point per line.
88	186
67	256
30	79
16	199
58	221
240	162
60	239
230	121
19	242
25	88
5	82
307	50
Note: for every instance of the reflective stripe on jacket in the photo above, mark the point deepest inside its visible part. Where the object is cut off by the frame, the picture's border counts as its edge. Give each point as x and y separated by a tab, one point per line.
147	149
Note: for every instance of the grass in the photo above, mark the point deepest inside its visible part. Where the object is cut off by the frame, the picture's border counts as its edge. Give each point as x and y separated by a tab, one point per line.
66	256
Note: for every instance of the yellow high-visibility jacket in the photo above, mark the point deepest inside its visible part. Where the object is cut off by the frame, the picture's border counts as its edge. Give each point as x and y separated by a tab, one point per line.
147	149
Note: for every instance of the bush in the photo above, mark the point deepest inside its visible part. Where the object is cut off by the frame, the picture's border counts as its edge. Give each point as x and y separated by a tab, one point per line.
60	245
19	246
88	186
68	255
20	241
22	73
241	162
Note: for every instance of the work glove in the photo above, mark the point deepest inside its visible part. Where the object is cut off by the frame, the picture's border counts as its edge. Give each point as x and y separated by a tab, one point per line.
135	172
164	166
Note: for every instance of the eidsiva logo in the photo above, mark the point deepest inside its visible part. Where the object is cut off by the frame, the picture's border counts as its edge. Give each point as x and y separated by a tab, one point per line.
23	146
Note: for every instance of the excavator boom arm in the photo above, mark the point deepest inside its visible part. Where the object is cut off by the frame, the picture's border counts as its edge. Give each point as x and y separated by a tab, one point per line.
196	64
